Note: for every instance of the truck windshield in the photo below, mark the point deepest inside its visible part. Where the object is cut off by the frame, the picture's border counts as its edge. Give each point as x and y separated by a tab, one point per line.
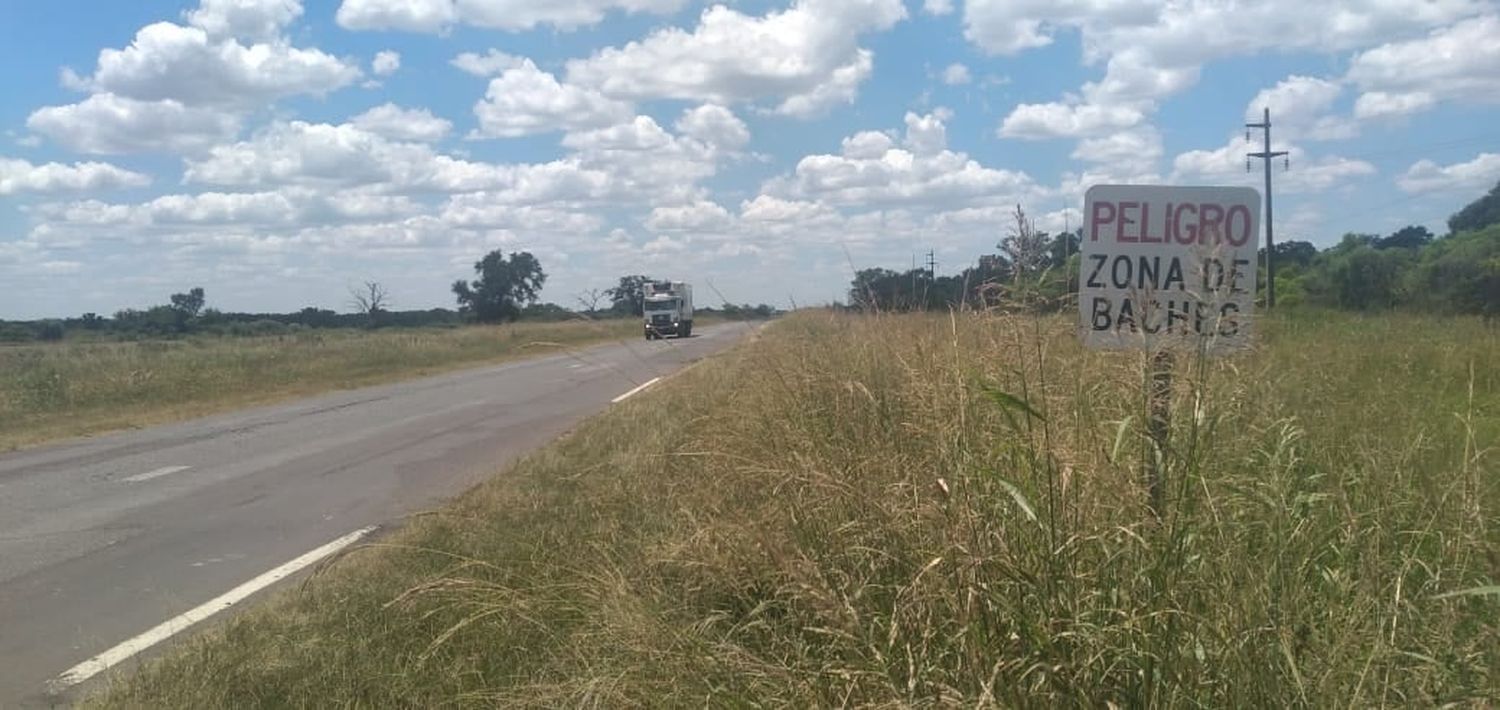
666	305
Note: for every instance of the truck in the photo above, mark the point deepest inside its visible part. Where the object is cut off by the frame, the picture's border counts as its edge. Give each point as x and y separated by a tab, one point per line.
668	309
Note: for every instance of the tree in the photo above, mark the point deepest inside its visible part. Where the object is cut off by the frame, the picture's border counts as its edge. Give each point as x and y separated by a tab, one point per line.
1025	248
189	304
371	300
590	300
505	284
1478	214
1410	237
1292	253
630	296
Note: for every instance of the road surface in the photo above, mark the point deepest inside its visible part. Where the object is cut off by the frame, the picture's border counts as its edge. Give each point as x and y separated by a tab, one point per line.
103	540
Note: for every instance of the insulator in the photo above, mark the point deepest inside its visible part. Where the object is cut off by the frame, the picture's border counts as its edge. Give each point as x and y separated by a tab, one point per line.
1247	165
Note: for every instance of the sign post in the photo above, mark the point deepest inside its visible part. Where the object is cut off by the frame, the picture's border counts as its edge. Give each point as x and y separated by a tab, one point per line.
1167	269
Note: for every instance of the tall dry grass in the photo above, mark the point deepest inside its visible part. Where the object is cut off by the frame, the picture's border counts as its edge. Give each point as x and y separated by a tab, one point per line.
52	391
919	510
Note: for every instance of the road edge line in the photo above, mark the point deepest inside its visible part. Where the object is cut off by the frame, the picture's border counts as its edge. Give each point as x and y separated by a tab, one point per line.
177	624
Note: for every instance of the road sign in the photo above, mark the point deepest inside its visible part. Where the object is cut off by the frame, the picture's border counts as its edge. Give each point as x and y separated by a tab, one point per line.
1168	267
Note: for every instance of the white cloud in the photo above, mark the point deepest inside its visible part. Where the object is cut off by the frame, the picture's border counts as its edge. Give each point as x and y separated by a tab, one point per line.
286	206
927	135
697	217
714	125
1302	107
403	124
1226	165
925	173
526	100
1133	150
480	210
1472	177
110	124
1461	61
1381	104
937	7
488	64
22	176
1151	50
806	57
323	155
514	15
182	87
167	61
1057	120
386	62
866	145
956	74
249	19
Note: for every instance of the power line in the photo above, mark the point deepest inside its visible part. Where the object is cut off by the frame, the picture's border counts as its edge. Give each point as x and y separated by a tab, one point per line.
1266	156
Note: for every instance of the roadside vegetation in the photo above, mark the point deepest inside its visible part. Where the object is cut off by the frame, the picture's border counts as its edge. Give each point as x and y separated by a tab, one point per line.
933	509
1410	269
58	390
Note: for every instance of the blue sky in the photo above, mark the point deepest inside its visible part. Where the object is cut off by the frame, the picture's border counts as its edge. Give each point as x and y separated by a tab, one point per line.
276	152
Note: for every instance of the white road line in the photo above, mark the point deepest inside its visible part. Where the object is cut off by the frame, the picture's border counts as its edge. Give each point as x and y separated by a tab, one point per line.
163	471
165	630
622	397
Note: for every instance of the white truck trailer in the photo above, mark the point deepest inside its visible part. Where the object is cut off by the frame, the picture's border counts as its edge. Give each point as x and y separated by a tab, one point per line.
669	309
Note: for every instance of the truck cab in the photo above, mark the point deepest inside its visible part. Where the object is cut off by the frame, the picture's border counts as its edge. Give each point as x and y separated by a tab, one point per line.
668	309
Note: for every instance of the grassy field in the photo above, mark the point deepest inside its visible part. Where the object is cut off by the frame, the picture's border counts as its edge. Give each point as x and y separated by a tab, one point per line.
925	510
54	391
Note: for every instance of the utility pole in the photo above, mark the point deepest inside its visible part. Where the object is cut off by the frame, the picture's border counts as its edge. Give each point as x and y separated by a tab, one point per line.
931	265
1266	156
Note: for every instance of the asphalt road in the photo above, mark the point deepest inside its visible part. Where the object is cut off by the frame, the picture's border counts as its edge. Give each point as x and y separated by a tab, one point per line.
105	538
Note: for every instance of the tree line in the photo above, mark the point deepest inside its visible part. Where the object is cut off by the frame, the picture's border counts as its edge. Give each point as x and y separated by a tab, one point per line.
1411	268
504	288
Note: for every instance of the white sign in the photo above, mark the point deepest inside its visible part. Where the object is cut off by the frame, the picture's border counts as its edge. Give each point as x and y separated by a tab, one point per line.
1168	267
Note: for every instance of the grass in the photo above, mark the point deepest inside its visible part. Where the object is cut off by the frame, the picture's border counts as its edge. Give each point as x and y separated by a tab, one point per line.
55	391
919	510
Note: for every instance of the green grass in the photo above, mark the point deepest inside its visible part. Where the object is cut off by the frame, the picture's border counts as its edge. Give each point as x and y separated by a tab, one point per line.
918	510
55	391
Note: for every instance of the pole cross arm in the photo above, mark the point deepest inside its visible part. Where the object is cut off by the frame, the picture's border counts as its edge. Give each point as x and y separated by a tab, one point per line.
1268	154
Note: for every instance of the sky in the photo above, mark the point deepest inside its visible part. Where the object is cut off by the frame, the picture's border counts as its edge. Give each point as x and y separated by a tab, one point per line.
278	152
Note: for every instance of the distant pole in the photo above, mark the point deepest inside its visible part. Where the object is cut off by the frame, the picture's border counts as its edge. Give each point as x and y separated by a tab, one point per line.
1266	156
931	265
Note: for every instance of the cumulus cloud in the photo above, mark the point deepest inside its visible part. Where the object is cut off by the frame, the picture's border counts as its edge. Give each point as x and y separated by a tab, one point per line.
1226	165
110	124
714	125
1303	108
434	16
333	156
403	124
1134	150
805	58
167	61
922	172
526	100
247	19
1459	61
937	7
18	175
181	87
956	74
700	216
1471	177
386	63
1059	120
1152	50
488	64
